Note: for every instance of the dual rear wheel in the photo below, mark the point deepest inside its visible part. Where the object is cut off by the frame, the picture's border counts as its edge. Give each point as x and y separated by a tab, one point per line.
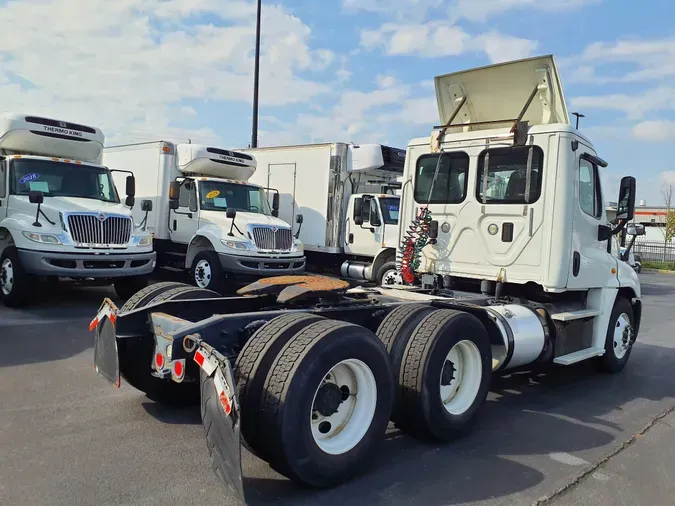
316	395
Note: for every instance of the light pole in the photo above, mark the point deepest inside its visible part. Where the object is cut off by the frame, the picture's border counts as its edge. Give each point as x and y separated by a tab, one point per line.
256	76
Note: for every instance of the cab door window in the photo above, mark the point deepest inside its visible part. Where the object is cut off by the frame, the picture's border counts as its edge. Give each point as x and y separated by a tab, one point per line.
590	198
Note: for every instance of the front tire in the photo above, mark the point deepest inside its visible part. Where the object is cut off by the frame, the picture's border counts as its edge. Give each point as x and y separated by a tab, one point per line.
207	272
388	275
15	282
445	375
326	403
618	344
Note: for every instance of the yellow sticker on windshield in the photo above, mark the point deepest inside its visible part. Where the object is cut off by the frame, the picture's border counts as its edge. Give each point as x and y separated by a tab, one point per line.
213	194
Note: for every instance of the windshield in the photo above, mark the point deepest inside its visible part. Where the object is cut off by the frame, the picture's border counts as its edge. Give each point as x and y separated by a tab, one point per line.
389	208
61	179
219	196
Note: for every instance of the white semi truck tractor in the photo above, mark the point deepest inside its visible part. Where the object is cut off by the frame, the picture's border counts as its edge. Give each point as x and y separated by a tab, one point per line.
514	264
344	200
60	213
207	217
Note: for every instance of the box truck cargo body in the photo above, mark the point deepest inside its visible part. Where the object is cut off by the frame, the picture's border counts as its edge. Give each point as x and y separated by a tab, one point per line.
60	213
347	197
206	216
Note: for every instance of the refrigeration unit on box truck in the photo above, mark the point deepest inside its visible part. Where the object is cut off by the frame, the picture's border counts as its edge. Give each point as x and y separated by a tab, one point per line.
205	214
346	196
60	213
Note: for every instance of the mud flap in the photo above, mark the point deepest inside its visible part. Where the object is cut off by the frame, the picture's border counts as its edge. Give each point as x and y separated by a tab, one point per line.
106	357
221	418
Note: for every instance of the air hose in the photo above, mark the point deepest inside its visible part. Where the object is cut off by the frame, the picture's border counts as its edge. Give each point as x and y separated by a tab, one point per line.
416	238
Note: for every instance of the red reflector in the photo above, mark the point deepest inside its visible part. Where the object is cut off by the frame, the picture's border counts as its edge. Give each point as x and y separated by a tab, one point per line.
226	403
178	369
113	318
93	324
159	361
199	358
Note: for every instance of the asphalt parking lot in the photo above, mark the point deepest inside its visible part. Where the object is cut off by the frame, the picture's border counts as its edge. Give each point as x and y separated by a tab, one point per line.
68	437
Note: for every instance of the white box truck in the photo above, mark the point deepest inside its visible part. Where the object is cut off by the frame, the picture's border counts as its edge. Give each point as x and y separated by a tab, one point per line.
346	196
60	213
207	217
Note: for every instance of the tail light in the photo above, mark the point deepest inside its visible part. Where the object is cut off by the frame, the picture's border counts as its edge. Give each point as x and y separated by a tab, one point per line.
159	361
178	370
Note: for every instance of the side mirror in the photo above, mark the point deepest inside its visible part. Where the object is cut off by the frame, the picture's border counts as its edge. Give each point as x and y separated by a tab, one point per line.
231	213
174	192
130	201
36	197
374	216
635	229
131	186
625	209
146	205
173	204
275	202
299	219
358	208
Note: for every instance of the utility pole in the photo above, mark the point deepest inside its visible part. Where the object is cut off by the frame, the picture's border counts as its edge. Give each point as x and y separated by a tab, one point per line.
256	77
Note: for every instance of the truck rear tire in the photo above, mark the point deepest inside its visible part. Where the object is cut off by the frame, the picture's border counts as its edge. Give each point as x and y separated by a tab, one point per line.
445	375
140	298
15	282
252	366
136	354
318	432
396	330
127	287
620	327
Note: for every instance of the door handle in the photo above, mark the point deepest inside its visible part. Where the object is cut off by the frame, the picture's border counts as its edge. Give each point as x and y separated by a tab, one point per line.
174	225
576	264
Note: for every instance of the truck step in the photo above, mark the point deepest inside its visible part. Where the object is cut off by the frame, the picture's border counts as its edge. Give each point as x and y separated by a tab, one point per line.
172	269
576	315
578	356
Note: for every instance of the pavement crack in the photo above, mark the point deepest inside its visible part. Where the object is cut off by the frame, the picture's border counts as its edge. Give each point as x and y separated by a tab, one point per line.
590	470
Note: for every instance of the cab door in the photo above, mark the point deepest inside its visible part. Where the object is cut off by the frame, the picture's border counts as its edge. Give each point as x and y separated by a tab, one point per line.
362	225
184	221
592	260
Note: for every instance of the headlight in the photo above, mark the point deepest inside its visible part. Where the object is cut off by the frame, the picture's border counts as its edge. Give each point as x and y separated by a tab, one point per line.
298	247
235	244
145	240
42	238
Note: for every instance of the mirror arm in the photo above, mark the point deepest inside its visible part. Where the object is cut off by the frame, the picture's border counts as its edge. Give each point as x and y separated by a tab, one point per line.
37	217
624	257
230	234
297	234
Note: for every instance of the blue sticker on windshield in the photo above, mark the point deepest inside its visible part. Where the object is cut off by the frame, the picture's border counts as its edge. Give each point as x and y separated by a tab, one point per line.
29	177
392	207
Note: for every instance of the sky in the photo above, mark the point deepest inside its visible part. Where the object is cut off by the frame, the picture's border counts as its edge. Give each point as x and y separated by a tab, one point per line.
337	70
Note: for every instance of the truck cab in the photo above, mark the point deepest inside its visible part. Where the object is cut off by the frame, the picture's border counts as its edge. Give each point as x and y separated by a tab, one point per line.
371	230
60	213
510	195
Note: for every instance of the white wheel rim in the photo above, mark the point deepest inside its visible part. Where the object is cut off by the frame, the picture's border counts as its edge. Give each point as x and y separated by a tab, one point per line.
203	274
392	277
461	377
623	333
7	276
338	432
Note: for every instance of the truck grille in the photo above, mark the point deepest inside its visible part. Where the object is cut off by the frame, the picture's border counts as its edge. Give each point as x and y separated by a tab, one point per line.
267	239
89	229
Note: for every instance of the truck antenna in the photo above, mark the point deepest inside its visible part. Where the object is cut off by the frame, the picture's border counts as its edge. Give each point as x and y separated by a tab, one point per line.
578	115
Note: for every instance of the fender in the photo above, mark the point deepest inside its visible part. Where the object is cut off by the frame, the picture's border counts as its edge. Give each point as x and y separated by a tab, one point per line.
204	239
383	256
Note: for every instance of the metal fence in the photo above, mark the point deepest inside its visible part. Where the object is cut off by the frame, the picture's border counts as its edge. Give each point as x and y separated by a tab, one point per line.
657	253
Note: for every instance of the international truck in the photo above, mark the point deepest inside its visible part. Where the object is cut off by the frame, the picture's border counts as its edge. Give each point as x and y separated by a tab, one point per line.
515	266
346	198
60	212
207	217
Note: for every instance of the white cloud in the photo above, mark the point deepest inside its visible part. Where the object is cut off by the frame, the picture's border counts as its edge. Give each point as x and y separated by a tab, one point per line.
482	10
635	106
651	60
127	65
655	131
437	39
415	10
